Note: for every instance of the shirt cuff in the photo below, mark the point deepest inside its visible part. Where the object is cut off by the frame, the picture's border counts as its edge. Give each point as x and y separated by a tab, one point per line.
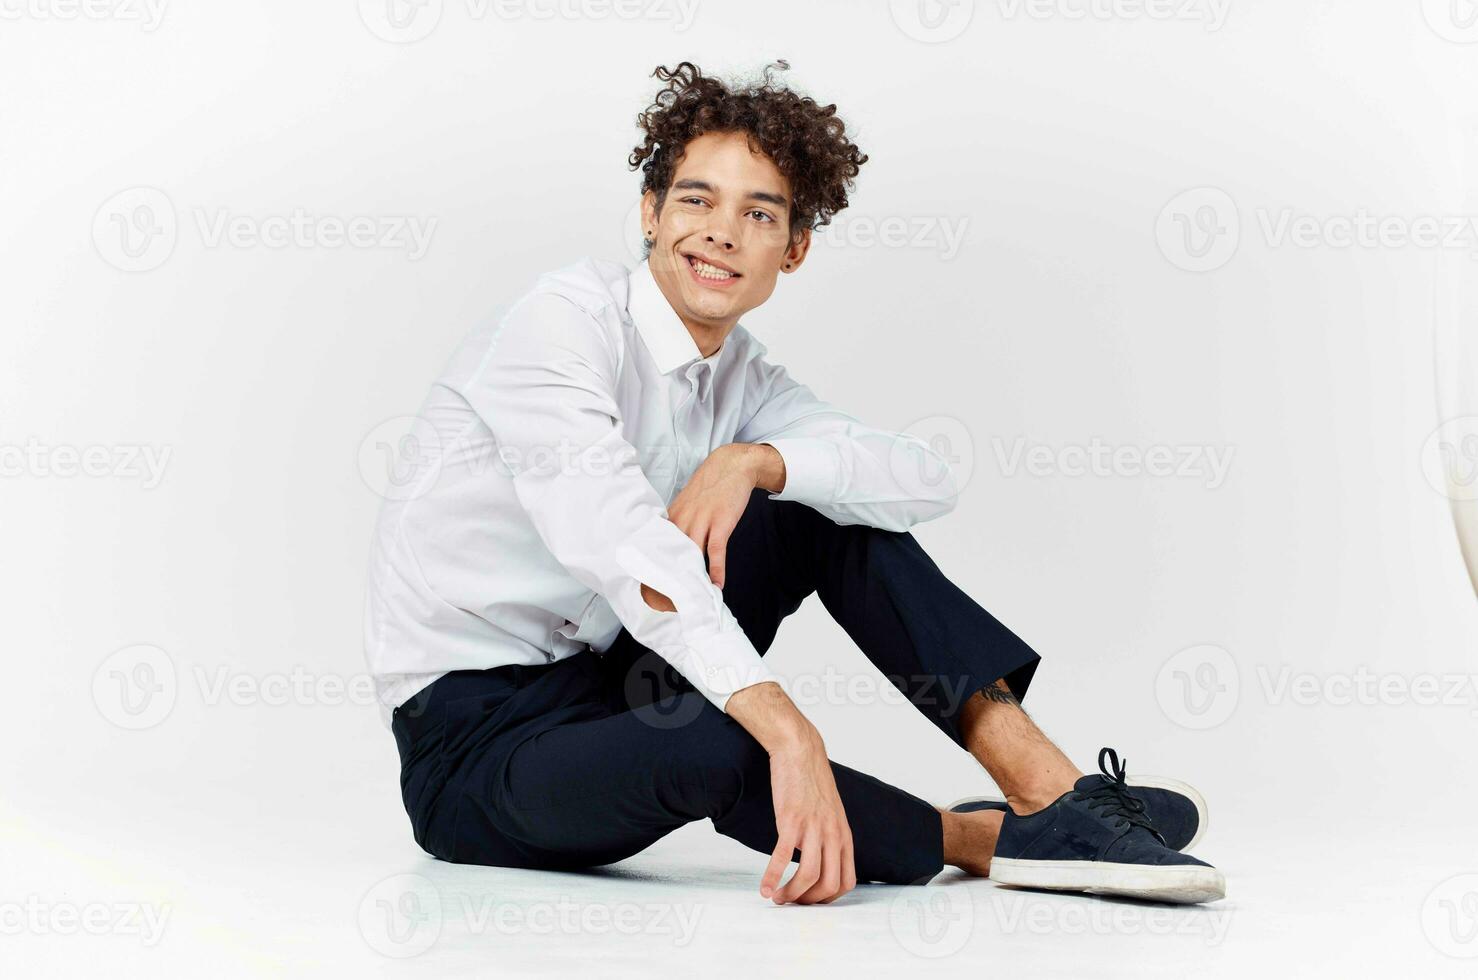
723	665
811	470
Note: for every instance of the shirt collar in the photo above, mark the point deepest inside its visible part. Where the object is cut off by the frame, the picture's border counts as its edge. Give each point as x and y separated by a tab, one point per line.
663	332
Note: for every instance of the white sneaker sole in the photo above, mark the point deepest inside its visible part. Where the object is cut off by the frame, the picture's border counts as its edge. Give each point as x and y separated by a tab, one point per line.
1183	884
1203	816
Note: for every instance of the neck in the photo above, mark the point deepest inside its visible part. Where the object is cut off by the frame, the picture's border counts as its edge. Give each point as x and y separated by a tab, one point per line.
708	337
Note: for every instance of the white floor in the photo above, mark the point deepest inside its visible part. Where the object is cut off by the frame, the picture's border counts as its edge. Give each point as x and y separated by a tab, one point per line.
233	885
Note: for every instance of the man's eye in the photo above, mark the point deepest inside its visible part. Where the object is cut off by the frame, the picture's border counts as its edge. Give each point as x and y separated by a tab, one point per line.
762	215
692	200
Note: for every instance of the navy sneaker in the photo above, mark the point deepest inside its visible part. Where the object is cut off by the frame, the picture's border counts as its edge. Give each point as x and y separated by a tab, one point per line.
1097	839
1175	808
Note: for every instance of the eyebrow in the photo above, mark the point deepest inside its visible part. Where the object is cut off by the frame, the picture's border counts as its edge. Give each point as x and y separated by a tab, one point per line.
692	184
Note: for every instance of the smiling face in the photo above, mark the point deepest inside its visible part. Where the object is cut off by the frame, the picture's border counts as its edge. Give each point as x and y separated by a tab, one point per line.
722	236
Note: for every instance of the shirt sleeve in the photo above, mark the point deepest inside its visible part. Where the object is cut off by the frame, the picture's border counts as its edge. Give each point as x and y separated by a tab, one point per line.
834	464
545	389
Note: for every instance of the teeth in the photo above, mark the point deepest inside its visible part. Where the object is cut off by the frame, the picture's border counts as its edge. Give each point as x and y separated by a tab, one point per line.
709	271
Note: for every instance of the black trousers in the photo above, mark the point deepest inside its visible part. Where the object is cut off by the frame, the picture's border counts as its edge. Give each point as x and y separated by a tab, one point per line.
592	759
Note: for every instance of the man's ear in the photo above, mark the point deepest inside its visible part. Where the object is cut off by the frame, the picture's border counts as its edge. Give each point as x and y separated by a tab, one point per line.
797	252
649	216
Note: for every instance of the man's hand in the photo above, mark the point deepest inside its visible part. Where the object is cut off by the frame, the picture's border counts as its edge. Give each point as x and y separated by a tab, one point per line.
808	809
710	505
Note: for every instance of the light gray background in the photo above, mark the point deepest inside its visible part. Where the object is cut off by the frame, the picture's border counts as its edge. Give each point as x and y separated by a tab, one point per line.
1170	609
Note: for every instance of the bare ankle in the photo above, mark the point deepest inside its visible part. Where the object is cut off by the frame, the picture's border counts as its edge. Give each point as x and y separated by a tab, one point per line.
970	839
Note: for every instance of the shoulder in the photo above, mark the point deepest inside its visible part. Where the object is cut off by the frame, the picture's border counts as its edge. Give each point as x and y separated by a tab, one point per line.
594	286
572	312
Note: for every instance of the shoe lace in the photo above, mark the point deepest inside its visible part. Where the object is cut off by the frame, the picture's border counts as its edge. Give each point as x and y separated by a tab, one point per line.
1112	800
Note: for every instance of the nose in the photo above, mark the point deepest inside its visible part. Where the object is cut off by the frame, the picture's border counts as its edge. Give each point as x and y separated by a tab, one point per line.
721	234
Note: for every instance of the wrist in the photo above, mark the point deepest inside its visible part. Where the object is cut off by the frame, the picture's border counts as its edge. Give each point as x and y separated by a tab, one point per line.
763	465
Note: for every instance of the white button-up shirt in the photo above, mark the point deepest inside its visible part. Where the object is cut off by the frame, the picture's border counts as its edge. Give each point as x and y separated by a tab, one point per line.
547	453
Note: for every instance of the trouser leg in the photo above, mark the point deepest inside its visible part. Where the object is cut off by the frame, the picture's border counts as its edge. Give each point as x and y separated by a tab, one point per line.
599	791
934	642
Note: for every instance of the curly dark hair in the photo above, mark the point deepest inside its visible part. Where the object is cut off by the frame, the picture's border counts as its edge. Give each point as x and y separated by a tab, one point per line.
806	140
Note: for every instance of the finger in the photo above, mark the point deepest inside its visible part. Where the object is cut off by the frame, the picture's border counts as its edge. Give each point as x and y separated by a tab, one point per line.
849	865
699	533
848	871
829	882
805	876
779	861
718	547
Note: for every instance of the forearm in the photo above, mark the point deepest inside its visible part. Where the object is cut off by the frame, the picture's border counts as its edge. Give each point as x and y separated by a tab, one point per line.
767	713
